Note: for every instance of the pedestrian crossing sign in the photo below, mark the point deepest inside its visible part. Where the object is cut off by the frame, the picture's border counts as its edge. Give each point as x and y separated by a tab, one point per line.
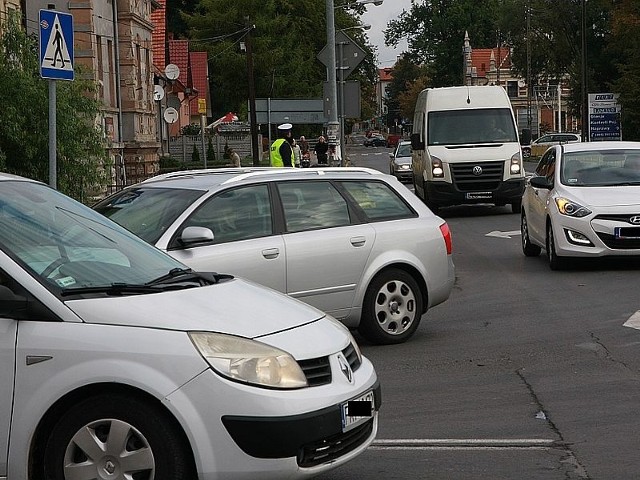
56	45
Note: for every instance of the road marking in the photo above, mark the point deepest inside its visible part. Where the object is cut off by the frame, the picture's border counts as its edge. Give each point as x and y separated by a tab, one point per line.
464	444
634	321
499	234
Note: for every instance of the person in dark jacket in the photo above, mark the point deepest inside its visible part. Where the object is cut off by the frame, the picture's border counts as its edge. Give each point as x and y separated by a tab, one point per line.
321	149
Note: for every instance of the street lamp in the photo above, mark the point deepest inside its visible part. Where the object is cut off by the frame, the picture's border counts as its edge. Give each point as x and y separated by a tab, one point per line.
333	125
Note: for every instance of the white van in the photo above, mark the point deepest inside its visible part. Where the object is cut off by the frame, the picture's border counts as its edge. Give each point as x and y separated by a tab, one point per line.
466	148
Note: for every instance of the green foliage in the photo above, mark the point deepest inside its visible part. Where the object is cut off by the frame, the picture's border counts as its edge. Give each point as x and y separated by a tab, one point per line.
191	129
24	119
286	40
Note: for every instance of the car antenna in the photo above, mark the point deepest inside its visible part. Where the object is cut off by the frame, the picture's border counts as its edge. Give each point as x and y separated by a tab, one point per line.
468	96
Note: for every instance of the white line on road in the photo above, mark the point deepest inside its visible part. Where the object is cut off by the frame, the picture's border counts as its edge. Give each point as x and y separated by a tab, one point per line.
463	444
634	321
499	234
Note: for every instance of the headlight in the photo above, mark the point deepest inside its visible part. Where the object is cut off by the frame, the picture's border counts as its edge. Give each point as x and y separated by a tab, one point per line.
516	164
436	168
249	361
571	209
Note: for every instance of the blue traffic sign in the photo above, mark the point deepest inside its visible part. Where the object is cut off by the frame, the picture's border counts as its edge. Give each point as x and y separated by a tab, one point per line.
56	45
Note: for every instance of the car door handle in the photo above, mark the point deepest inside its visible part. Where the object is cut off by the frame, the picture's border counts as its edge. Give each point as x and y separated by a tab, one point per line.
270	253
358	241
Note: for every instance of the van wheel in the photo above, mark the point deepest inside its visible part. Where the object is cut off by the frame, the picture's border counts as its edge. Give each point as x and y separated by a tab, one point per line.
116	436
528	248
555	262
392	308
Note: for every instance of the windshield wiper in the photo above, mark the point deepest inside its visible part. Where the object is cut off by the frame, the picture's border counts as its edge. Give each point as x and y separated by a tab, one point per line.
187	274
114	289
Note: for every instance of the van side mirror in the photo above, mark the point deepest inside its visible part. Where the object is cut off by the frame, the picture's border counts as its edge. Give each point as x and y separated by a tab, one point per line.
416	142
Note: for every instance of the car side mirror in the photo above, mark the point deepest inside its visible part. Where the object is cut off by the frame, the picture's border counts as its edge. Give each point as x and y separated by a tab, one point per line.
193	235
540	182
416	142
390	154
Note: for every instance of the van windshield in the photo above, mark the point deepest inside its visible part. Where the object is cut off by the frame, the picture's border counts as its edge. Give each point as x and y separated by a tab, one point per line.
473	126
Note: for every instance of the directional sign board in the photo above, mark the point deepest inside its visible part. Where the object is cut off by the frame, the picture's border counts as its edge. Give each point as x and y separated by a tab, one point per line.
56	45
604	117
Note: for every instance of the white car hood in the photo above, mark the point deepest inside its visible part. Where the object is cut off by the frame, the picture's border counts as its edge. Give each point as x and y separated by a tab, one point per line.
236	307
606	196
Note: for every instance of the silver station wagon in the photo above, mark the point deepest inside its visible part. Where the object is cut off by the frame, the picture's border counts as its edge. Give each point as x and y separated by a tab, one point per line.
352	242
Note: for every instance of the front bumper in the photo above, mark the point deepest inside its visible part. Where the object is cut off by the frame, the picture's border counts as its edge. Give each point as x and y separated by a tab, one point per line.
313	438
445	194
241	432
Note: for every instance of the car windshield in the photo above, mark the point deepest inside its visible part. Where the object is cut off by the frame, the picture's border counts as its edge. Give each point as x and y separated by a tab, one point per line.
66	245
473	126
147	212
601	168
404	151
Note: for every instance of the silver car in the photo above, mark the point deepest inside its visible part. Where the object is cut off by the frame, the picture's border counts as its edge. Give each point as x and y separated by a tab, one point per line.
400	162
352	242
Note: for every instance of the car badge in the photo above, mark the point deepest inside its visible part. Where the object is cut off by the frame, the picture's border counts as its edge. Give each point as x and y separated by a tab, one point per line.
635	220
345	368
477	170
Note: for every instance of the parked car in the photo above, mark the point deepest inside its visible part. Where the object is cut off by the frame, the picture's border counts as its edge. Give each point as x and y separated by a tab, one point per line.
540	145
375	141
584	201
400	162
117	361
352	242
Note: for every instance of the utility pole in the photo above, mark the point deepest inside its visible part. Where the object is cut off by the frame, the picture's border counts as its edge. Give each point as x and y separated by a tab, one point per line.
333	126
585	103
252	97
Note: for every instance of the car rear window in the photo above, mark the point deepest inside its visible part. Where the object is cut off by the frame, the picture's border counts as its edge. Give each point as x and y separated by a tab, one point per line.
378	200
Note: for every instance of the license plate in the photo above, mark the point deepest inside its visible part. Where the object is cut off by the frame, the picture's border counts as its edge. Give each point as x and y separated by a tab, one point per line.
479	195
357	411
631	233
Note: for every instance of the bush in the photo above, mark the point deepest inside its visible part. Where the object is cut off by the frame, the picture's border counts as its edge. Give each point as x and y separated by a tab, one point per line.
211	152
191	129
169	162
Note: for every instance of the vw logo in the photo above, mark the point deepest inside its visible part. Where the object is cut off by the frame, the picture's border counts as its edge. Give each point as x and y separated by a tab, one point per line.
635	220
477	170
345	368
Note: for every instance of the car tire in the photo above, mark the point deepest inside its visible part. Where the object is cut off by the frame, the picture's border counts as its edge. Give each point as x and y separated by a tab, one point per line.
528	248
108	430
555	262
392	309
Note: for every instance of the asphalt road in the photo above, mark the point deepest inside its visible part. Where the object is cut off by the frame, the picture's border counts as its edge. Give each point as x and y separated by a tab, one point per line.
524	373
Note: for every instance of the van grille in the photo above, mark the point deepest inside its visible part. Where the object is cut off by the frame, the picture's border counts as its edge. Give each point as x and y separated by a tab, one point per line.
488	180
318	370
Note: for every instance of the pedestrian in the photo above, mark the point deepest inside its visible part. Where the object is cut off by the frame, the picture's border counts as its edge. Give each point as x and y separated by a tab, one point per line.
304	145
297	153
235	158
282	149
321	149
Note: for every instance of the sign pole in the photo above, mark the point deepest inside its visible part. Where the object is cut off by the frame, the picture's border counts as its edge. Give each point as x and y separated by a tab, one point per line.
53	181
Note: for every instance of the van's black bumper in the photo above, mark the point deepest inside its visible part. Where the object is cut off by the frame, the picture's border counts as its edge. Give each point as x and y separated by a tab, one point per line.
444	194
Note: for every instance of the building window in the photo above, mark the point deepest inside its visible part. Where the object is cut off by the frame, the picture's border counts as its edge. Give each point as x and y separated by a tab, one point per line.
512	88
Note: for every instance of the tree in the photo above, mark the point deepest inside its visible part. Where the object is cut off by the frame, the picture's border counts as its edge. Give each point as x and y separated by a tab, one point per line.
24	141
286	39
435	33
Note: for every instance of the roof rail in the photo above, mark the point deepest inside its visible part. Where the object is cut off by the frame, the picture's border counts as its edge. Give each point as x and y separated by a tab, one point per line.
248	172
307	171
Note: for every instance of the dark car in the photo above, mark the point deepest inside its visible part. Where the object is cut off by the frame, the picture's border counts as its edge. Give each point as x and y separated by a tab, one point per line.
375	141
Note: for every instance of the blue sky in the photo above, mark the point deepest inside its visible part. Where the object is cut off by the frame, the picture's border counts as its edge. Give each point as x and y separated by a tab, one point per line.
378	17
